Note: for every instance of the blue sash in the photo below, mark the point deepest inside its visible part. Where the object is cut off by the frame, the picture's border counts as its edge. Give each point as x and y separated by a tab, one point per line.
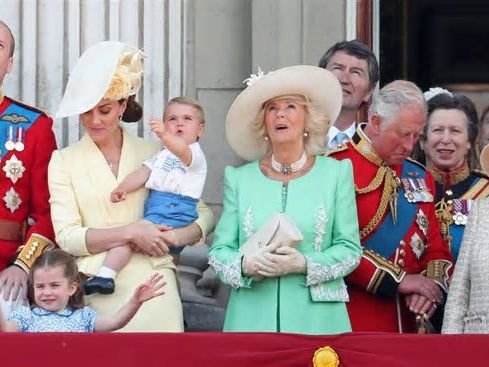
387	237
27	118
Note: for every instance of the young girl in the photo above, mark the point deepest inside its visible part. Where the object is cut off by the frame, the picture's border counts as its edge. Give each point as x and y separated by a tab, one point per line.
55	289
175	177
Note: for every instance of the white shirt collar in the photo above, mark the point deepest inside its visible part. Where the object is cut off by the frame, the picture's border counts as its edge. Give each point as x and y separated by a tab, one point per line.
333	131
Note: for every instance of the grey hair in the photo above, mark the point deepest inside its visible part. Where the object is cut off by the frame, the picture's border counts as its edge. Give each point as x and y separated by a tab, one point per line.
389	100
316	125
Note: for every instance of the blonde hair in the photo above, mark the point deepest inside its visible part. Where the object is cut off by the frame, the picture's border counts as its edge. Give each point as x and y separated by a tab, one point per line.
187	102
316	124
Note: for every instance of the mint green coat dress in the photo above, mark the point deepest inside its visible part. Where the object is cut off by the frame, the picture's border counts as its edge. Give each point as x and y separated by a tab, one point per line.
322	204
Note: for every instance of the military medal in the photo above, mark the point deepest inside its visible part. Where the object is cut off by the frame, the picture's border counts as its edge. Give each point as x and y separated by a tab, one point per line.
417	245
13	168
461	211
19	142
428	197
409	192
422	222
9	142
12	200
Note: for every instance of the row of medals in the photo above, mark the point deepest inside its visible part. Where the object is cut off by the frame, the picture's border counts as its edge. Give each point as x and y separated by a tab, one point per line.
14	167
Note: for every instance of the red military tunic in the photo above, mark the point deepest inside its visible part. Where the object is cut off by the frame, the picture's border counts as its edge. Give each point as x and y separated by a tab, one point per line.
411	245
26	143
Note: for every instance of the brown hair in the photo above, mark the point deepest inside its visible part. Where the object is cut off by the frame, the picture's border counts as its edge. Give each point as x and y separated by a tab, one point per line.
188	102
58	257
12	39
133	111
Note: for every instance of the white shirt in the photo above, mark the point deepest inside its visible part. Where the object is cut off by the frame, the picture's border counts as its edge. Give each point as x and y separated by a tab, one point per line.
333	131
169	174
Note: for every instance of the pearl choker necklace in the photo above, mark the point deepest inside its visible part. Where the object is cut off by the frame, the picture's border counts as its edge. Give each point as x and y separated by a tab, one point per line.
287	169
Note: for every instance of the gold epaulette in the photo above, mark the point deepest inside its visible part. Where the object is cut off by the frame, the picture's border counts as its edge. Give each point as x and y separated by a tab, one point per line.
339	148
416	162
438	270
31	251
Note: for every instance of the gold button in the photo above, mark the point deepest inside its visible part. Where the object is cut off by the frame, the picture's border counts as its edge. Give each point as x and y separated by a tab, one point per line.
401	262
403	243
402	252
450	202
449	192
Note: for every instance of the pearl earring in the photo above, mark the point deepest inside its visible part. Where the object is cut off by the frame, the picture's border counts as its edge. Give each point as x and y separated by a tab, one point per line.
306	134
266	138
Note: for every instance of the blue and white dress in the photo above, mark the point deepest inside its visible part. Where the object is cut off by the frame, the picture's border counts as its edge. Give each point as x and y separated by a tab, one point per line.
40	320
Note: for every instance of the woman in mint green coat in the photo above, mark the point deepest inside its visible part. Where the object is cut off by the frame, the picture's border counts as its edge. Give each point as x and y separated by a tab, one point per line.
280	123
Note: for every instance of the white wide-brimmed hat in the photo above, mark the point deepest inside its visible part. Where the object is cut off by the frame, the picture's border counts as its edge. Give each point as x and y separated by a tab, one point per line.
319	85
484	159
107	69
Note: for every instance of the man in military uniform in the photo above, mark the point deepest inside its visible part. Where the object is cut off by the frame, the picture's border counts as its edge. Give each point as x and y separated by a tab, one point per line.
26	144
405	265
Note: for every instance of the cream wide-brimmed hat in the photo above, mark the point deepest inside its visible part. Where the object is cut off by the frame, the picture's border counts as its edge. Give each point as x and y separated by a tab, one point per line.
107	69
319	85
484	159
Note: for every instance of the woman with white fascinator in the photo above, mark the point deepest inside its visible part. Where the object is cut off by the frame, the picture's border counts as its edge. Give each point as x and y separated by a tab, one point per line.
288	233
101	90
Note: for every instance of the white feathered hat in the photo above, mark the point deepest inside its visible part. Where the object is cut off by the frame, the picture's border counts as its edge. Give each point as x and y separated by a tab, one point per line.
107	69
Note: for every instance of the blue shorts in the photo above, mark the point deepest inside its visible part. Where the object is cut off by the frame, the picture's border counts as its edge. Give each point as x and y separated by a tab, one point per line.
170	209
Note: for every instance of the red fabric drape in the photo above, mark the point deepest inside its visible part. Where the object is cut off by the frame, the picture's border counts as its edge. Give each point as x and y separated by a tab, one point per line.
239	349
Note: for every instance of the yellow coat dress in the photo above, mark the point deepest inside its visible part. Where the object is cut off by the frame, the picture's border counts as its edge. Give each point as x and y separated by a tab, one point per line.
80	183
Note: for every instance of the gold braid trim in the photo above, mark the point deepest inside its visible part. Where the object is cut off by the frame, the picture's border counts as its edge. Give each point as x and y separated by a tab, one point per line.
384	265
443	213
390	186
437	270
31	251
375	183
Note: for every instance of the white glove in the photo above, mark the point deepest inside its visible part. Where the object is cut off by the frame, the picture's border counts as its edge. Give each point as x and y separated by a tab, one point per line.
285	260
251	263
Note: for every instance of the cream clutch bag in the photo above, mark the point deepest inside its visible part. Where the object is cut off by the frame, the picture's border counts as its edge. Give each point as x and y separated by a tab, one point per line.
278	229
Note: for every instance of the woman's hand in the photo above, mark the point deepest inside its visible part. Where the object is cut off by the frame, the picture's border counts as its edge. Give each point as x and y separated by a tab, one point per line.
150	288
149	237
285	260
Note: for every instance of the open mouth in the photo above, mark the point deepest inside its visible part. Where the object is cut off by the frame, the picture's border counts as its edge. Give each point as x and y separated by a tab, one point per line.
280	127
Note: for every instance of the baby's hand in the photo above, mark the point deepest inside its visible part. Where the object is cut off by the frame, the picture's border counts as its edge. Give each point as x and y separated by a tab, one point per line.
157	127
150	288
118	195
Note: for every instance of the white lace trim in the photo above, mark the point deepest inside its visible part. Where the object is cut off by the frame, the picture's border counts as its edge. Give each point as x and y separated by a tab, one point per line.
248	223
318	273
322	293
320	228
230	273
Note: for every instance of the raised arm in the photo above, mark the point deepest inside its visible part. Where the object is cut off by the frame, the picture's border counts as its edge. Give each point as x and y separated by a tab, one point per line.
144	292
173	143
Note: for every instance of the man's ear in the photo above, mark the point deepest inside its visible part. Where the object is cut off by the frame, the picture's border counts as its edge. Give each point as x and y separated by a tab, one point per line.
368	96
376	123
10	64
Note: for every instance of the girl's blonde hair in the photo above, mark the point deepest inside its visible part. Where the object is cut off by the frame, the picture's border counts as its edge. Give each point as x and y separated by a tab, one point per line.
58	257
316	125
